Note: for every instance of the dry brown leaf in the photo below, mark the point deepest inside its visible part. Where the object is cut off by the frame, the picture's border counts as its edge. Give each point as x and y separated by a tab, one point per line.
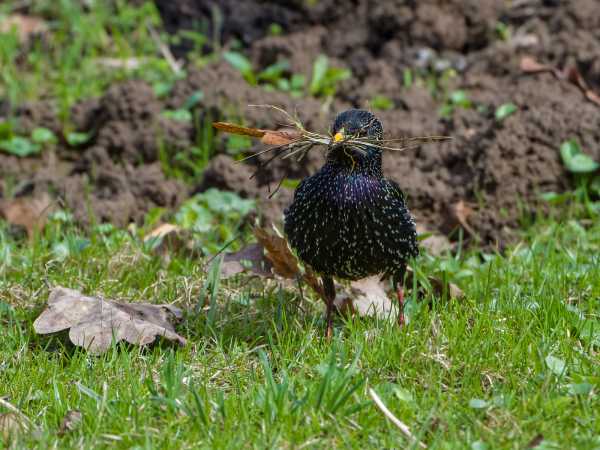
530	65
280	137
279	254
284	262
574	76
94	322
28	212
250	259
238	129
570	74
168	238
70	422
11	424
462	211
25	26
365	297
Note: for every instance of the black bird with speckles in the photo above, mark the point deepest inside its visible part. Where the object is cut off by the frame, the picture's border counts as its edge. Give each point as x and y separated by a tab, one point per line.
347	220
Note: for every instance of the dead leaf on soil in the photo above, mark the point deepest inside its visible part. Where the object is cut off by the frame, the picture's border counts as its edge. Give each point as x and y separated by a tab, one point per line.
458	215
70	422
530	65
574	76
28	212
25	26
250	259
93	322
570	74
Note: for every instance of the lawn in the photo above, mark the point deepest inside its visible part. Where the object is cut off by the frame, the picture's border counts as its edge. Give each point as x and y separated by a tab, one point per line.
514	361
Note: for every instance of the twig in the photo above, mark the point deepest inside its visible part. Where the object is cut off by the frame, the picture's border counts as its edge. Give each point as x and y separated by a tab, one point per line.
164	50
387	413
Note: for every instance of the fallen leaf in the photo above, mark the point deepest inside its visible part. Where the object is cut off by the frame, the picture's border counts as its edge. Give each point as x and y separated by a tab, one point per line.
93	322
530	65
168	238
570	74
457	215
25	26
365	297
11	424
250	259
28	212
238	129
574	76
285	264
462	212
70	422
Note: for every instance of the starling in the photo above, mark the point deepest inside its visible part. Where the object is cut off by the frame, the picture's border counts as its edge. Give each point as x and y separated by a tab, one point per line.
347	220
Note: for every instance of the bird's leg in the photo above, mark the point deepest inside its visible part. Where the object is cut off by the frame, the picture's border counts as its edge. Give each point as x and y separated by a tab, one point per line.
398	280
400	294
329	291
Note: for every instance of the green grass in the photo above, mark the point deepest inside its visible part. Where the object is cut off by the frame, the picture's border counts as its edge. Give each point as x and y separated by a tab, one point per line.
67	64
516	359
257	373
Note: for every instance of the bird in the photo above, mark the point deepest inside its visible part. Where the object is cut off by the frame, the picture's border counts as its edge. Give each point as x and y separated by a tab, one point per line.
347	220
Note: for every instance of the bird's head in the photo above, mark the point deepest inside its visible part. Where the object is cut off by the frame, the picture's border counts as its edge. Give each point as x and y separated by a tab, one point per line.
351	132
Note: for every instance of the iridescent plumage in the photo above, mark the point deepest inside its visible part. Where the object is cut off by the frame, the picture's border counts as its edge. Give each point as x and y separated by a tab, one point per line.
347	220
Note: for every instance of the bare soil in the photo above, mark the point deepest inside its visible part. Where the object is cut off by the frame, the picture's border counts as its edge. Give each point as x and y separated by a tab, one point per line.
497	168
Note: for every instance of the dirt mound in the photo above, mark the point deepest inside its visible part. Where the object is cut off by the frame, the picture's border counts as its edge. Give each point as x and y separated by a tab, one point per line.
114	177
493	166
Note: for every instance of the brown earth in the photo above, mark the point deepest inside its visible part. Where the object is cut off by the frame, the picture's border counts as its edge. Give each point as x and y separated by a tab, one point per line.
494	167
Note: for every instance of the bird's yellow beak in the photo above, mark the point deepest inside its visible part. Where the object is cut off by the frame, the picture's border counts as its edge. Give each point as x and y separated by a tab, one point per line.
338	137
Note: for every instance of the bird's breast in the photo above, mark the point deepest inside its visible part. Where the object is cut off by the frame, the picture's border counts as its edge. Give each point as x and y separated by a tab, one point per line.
348	225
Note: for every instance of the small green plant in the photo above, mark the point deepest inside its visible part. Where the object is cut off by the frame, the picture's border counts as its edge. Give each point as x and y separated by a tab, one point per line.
575	160
503	31
25	146
505	110
382	103
275	29
277	76
325	78
586	173
456	99
407	78
215	215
